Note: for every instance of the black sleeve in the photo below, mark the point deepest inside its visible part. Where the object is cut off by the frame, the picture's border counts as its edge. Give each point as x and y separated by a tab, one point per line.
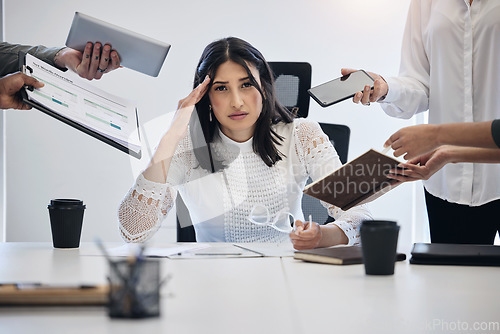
495	131
9	59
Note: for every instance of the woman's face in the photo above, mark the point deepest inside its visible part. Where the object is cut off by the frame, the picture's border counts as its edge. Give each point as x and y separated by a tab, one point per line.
236	103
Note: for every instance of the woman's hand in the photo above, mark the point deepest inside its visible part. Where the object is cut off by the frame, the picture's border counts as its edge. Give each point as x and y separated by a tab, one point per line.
92	63
185	109
157	170
414	141
306	235
422	167
367	95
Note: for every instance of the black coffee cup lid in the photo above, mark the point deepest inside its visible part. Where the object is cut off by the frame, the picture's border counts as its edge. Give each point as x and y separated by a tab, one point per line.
66	202
378	224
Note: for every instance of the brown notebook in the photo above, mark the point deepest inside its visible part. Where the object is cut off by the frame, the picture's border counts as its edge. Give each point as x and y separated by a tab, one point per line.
359	181
24	294
336	255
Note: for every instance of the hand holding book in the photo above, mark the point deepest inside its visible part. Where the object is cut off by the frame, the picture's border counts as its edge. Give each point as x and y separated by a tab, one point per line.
360	181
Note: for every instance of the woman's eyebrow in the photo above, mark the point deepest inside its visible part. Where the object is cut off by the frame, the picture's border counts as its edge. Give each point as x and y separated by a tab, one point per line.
226	82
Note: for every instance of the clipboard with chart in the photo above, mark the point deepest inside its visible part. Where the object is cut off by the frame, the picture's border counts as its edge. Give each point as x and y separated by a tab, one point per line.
76	102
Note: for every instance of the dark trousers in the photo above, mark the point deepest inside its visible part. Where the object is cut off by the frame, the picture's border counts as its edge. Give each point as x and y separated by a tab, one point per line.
462	224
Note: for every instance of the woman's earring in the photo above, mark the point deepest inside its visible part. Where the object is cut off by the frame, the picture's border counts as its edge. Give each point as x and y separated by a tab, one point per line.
210	113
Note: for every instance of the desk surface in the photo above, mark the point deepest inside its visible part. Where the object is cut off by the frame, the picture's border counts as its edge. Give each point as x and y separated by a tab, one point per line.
263	295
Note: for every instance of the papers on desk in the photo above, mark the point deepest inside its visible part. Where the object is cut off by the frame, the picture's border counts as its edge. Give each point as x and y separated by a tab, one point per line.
126	250
284	249
201	250
216	250
228	250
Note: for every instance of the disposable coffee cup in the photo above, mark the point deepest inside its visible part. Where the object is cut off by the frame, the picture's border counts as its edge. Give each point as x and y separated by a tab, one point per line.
379	241
66	219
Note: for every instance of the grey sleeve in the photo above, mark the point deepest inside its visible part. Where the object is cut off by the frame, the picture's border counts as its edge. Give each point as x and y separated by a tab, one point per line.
9	58
495	131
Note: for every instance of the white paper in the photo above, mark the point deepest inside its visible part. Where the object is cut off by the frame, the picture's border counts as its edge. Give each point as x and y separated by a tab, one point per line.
197	250
129	249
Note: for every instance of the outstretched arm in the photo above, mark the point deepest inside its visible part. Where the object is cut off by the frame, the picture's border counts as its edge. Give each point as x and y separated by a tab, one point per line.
150	199
91	64
417	140
423	167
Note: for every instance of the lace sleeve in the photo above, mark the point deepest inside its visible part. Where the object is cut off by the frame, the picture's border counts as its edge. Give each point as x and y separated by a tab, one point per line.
320	159
143	209
147	203
315	150
349	221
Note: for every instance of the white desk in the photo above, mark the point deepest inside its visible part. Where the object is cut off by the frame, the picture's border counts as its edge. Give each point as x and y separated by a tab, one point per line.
262	295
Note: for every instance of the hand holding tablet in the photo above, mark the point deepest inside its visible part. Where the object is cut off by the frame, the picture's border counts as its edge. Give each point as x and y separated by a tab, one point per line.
136	51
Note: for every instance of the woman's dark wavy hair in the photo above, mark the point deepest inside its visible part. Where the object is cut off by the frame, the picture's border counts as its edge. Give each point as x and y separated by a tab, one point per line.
243	53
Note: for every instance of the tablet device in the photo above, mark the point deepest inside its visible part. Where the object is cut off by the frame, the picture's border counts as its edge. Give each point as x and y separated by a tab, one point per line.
341	88
136	51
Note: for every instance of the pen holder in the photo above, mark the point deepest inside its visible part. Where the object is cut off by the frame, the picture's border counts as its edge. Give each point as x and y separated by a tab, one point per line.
134	290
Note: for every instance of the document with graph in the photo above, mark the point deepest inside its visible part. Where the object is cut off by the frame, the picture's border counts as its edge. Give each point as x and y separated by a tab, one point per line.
77	102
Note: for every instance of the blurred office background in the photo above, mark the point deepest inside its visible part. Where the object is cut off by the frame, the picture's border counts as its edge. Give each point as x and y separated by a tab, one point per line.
44	159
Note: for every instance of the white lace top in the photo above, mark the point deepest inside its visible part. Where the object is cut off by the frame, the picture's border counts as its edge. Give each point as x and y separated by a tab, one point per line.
219	203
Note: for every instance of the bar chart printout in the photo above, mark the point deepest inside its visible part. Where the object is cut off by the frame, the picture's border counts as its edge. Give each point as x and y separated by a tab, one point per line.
76	99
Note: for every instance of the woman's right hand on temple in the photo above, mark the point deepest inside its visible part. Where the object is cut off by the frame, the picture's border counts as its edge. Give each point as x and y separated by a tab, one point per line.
177	131
185	109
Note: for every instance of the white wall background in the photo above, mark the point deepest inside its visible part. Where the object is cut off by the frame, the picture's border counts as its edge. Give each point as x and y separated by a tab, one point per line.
46	159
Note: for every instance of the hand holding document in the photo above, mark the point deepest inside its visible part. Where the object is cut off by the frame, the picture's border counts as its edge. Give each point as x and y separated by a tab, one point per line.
75	101
357	182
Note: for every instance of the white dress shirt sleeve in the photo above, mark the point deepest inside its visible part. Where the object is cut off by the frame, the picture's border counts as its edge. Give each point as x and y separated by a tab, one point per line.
409	92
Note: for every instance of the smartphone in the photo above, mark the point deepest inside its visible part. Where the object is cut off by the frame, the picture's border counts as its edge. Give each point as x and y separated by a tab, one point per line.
340	89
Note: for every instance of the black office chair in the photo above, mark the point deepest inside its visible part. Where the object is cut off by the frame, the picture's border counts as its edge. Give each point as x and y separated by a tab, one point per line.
339	135
185	230
292	80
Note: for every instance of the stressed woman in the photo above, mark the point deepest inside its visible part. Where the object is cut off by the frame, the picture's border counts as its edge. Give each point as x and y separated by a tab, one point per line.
239	160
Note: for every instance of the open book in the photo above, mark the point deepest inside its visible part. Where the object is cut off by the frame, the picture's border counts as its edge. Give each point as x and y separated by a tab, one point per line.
358	181
75	101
